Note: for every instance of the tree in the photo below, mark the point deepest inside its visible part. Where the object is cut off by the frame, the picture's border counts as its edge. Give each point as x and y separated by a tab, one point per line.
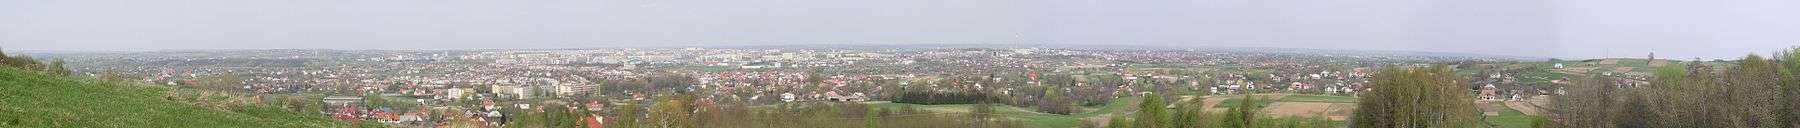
1054	102
1636	112
560	116
628	116
1151	113
1243	114
374	100
815	76
1673	96
526	118
1790	84
1588	103
672	112
1191	114
1750	94
1700	100
1755	92
1416	97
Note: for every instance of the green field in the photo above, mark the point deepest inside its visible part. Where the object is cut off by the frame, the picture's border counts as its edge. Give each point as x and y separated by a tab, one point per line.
30	99
1510	118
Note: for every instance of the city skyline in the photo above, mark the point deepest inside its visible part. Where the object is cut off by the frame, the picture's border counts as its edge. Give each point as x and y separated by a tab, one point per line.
1536	28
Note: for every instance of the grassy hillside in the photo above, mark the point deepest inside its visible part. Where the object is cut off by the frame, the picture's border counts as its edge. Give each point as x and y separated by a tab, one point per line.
29	99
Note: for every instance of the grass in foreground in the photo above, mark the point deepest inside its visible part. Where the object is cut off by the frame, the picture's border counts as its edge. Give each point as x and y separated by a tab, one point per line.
29	99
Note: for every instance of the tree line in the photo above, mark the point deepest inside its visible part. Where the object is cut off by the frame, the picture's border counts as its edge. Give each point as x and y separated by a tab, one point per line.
1751	92
683	111
946	97
1154	112
1398	97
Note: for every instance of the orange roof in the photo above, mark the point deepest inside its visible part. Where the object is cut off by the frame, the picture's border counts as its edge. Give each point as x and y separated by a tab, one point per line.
594	122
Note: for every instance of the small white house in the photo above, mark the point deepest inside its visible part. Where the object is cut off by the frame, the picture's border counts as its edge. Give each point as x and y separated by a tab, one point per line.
787	97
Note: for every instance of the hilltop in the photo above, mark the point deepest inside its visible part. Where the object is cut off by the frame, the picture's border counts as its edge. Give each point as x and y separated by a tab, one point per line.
31	99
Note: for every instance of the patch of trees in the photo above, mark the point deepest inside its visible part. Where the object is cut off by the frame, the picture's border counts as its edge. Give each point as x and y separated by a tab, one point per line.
949	97
1416	97
1091	95
1751	92
653	83
547	116
1054	102
1154	112
1151	113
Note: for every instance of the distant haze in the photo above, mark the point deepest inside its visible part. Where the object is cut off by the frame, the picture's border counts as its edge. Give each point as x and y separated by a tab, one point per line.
1545	28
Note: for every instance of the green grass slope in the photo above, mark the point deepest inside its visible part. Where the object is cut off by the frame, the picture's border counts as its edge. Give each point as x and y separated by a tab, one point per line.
29	99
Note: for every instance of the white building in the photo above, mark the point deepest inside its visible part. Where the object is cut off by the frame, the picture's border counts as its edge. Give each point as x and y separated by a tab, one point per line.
455	93
524	92
515	91
571	90
787	97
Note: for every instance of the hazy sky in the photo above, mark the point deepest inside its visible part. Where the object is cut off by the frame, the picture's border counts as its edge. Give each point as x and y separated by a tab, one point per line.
1547	28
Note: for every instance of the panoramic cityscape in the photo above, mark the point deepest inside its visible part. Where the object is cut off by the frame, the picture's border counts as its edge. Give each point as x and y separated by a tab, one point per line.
888	64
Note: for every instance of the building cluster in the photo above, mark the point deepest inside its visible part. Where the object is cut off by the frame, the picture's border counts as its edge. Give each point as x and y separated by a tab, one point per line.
482	83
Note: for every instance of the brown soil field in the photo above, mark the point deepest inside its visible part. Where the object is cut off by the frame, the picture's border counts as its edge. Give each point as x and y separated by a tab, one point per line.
1335	111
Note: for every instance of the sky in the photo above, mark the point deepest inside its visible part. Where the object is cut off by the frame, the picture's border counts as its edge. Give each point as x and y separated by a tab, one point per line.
1536	28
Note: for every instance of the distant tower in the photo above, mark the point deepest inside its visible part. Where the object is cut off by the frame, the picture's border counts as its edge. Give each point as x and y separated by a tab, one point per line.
1652	56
